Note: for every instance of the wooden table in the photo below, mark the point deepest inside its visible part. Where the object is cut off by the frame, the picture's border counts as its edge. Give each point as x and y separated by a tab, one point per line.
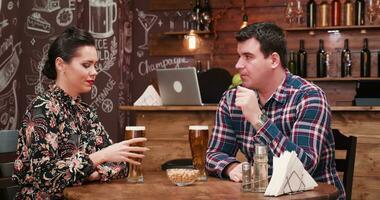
158	186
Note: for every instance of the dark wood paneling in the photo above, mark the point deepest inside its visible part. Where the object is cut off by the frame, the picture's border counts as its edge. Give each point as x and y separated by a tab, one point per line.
169	45
187	4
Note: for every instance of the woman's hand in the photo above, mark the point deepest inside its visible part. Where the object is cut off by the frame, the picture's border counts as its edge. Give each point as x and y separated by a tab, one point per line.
120	152
94	176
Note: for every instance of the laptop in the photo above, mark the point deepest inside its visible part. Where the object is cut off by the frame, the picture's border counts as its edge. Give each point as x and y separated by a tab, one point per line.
179	86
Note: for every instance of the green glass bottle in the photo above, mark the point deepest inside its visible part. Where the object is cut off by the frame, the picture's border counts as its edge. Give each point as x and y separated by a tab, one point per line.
365	60
292	66
302	60
321	61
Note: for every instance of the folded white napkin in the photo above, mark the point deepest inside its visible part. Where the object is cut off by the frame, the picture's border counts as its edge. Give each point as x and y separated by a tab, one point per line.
288	176
150	97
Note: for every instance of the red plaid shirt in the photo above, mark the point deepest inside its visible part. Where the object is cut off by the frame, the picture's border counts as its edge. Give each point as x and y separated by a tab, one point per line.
299	120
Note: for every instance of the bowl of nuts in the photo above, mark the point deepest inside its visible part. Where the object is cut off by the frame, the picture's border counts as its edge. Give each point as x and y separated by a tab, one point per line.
182	177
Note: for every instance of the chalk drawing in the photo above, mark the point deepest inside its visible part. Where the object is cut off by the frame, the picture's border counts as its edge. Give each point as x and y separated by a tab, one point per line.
65	16
160	23
9	66
107	105
102	15
37	23
46	5
106	55
9	108
36	78
94	91
104	94
10	5
140	53
147	21
3	24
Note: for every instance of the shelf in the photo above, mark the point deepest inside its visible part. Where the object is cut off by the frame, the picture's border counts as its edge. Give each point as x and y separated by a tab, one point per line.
344	79
356	108
326	28
187	32
363	29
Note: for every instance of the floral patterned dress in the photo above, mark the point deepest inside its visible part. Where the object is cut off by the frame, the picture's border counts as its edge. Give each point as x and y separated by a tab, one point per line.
57	135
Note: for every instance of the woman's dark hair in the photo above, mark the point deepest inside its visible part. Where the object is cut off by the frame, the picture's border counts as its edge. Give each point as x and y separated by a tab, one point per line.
270	36
65	47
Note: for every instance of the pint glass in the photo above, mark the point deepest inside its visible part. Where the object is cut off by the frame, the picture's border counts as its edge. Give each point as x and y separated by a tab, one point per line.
135	174
198	138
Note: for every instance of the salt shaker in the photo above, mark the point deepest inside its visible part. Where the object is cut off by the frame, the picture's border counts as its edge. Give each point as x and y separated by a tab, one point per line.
260	168
247	177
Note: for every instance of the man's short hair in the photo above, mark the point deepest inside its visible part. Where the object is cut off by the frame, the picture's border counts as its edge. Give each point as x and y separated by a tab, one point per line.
270	36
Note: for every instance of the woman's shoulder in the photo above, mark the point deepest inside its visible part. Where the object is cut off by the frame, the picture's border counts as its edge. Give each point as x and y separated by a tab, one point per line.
45	102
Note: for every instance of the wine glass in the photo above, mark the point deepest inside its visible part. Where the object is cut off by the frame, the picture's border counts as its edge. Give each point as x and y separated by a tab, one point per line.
377	8
372	11
289	13
186	20
299	13
206	20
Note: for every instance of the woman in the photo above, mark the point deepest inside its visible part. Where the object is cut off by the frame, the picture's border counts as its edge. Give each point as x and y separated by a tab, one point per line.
61	141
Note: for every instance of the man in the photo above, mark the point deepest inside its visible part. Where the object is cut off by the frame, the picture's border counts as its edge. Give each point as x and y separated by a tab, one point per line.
272	107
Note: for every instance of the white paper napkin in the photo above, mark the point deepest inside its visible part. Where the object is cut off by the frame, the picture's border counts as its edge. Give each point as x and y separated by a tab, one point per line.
150	97
288	176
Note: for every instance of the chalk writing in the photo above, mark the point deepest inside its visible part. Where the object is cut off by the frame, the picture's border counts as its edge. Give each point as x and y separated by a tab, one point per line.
145	67
102	96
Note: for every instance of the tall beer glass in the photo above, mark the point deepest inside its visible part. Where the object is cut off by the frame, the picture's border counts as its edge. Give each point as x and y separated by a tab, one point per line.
198	138
135	174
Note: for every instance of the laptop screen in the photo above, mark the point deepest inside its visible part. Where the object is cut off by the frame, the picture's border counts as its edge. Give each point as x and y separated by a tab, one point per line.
179	86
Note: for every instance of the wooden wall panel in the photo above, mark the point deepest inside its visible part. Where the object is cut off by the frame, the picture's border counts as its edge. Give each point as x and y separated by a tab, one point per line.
222	53
172	45
167	134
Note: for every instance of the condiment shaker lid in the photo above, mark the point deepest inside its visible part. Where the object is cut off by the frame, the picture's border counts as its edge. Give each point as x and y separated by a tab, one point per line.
260	149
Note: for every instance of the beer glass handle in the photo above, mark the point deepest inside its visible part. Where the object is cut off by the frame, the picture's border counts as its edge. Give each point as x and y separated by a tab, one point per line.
114	5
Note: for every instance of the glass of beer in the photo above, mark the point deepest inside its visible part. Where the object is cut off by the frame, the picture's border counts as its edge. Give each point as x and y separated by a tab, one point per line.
135	174
198	138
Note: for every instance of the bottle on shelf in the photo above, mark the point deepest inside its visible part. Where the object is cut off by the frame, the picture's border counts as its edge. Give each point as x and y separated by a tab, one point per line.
348	13
359	12
292	66
335	13
346	60
323	13
311	10
365	60
206	17
302	60
378	64
199	66
321	60
196	16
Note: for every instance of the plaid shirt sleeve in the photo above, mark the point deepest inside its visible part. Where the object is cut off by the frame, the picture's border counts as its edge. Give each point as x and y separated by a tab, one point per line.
222	147
307	133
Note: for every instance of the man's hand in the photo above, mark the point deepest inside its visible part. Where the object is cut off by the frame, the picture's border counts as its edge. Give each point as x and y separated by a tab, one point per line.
247	101
236	173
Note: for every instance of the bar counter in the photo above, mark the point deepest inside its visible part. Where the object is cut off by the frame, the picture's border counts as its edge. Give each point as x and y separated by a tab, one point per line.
167	133
157	186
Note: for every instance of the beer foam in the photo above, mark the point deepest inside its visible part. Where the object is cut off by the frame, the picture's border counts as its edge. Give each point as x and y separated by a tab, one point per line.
198	127
135	128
